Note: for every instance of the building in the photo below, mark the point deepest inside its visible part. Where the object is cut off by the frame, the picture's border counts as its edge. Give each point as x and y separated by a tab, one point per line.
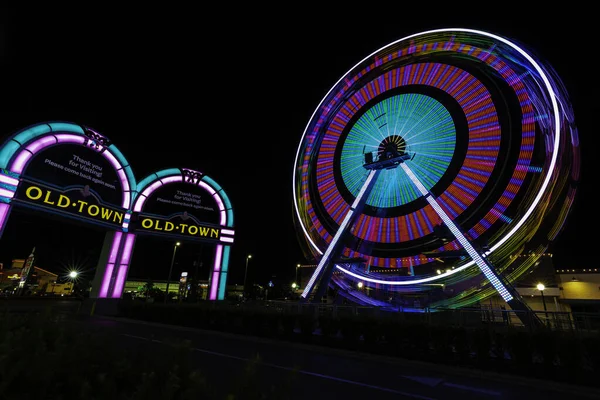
580	289
563	289
40	281
137	288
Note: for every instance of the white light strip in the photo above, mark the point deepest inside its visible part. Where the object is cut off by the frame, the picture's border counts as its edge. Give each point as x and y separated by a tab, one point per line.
341	229
536	200
7	193
8	180
226	239
459	236
227	232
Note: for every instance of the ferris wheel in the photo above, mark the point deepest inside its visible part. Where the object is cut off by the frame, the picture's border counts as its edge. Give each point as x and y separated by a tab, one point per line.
429	165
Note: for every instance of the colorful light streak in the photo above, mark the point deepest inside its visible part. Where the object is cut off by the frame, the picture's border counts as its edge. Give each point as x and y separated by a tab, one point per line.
538	91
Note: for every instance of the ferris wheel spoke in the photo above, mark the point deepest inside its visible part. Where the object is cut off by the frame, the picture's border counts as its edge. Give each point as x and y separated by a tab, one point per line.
462	239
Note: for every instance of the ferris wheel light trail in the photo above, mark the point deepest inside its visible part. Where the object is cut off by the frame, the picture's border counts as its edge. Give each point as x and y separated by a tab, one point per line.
555	144
364	192
481	263
496	140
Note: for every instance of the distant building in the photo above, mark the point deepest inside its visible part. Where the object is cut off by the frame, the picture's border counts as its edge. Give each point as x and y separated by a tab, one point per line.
135	288
580	289
565	290
40	280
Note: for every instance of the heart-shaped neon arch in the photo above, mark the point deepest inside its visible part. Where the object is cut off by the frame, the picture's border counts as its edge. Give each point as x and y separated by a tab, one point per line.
19	150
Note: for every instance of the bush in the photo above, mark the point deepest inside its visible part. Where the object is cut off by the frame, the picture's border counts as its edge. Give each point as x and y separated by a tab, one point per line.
554	355
44	357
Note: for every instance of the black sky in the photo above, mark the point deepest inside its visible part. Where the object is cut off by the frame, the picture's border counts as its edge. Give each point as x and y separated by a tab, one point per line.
229	91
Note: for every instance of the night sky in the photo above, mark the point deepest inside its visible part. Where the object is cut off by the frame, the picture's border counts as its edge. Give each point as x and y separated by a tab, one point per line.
229	94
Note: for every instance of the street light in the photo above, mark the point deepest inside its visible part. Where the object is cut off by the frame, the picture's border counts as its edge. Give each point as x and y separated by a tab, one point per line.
297	267
171	270
73	276
541	287
294	285
248	257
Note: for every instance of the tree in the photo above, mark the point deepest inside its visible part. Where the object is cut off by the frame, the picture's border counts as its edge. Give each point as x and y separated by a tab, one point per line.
152	292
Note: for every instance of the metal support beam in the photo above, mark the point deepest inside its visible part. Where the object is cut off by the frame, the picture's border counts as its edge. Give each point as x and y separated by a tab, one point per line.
322	274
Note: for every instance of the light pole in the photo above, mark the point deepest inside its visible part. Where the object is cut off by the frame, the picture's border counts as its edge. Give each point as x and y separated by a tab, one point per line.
541	287
171	271
248	257
297	267
73	276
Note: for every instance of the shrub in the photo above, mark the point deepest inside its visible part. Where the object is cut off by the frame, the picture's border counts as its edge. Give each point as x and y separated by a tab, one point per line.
44	357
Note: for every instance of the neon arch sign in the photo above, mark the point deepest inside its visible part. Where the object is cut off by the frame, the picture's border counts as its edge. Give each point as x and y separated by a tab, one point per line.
20	149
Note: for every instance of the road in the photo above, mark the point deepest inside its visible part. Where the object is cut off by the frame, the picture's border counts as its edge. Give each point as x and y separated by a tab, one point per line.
313	372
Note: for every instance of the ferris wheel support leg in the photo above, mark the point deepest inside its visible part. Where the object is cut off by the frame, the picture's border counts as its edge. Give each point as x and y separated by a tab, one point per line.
322	274
504	288
483	265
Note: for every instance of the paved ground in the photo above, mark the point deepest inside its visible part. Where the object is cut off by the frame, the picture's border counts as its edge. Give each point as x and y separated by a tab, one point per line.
314	372
311	372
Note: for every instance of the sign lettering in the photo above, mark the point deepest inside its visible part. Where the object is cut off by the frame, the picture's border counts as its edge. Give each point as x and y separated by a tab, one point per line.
158	225
76	202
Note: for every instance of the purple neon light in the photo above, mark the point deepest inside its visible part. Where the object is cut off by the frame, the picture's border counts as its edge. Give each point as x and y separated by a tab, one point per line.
114	248
217	268
7	193
122	177
20	161
207	187
117	290
9	180
171	179
129	240
148	191
214	285
112	258
106	282
123	266
4	208
126	193
222	213
41	143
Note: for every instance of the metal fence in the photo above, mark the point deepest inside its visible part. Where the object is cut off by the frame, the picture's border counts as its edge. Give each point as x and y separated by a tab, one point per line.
464	317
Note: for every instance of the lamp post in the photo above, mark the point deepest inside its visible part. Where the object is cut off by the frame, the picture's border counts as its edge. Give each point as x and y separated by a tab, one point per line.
248	257
171	271
73	276
297	267
541	287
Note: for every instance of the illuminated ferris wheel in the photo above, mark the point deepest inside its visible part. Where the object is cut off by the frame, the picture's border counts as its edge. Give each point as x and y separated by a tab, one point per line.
429	165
